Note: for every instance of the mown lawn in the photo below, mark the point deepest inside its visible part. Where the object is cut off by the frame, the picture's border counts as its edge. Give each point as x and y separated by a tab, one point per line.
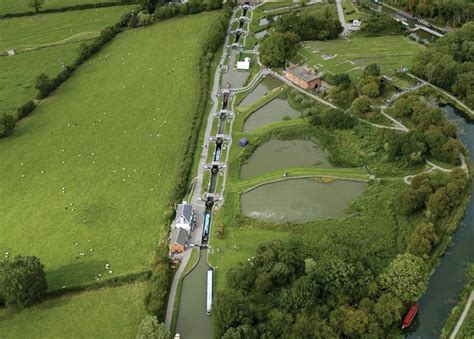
21	6
91	170
351	56
64	31
107	313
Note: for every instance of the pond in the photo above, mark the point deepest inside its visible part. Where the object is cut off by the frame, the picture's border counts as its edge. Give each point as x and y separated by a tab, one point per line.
300	200
193	322
421	35
261	34
449	277
274	111
263	22
281	154
266	85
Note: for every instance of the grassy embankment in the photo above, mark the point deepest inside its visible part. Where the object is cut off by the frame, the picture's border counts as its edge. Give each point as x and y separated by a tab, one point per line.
353	54
22	6
113	137
44	44
467	328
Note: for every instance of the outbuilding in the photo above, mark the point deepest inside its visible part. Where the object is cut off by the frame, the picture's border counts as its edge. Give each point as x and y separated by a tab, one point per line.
178	240
244	65
243	142
303	77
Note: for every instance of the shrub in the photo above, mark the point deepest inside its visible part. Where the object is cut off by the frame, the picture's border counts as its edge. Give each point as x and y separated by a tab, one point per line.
25	110
24	282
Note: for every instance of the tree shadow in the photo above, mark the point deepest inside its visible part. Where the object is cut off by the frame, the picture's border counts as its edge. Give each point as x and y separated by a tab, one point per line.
75	274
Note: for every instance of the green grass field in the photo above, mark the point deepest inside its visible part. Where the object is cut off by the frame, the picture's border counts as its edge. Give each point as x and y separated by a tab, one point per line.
467	329
18	74
56	28
21	6
62	31
108	313
91	170
351	56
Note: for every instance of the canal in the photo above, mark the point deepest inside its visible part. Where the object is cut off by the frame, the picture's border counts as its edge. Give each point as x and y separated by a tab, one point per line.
192	304
449	277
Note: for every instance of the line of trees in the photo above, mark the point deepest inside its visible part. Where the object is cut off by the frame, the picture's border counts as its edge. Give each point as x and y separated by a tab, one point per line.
449	63
452	12
37	5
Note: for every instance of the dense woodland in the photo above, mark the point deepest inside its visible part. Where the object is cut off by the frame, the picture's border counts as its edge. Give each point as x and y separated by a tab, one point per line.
449	63
451	12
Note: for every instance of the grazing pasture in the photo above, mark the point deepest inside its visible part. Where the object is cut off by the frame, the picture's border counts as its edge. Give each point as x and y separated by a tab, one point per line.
353	54
106	313
87	177
22	6
52	40
43	30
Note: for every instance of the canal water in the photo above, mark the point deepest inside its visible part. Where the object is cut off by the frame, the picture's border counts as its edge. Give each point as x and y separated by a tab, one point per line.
299	200
449	278
281	154
276	110
193	322
266	85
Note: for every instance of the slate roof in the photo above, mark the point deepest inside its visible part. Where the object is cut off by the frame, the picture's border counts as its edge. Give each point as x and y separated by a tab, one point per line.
304	73
179	236
186	211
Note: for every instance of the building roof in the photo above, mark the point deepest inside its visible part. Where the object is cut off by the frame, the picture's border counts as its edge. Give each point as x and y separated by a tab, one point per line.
185	211
179	236
304	73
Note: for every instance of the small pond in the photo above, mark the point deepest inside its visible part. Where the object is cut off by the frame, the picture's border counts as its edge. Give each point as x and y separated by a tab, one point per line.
261	34
265	86
300	200
281	154
274	111
263	22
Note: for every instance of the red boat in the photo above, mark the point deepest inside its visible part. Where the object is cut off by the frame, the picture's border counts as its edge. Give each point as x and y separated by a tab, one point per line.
410	315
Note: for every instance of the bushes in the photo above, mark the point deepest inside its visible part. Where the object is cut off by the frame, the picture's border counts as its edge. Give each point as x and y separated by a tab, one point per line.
68	8
7	124
156	297
23	282
25	110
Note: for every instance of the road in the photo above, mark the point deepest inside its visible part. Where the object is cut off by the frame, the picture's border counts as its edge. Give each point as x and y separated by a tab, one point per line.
342	20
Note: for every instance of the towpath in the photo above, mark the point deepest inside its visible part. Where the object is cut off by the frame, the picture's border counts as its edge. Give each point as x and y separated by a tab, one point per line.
463	316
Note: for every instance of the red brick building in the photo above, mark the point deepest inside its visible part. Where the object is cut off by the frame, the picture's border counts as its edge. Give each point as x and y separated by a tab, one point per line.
303	77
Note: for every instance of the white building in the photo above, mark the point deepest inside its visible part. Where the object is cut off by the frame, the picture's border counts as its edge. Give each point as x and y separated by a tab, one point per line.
244	65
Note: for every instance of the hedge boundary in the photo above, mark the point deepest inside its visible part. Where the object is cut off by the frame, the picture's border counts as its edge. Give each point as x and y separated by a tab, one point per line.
67	9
